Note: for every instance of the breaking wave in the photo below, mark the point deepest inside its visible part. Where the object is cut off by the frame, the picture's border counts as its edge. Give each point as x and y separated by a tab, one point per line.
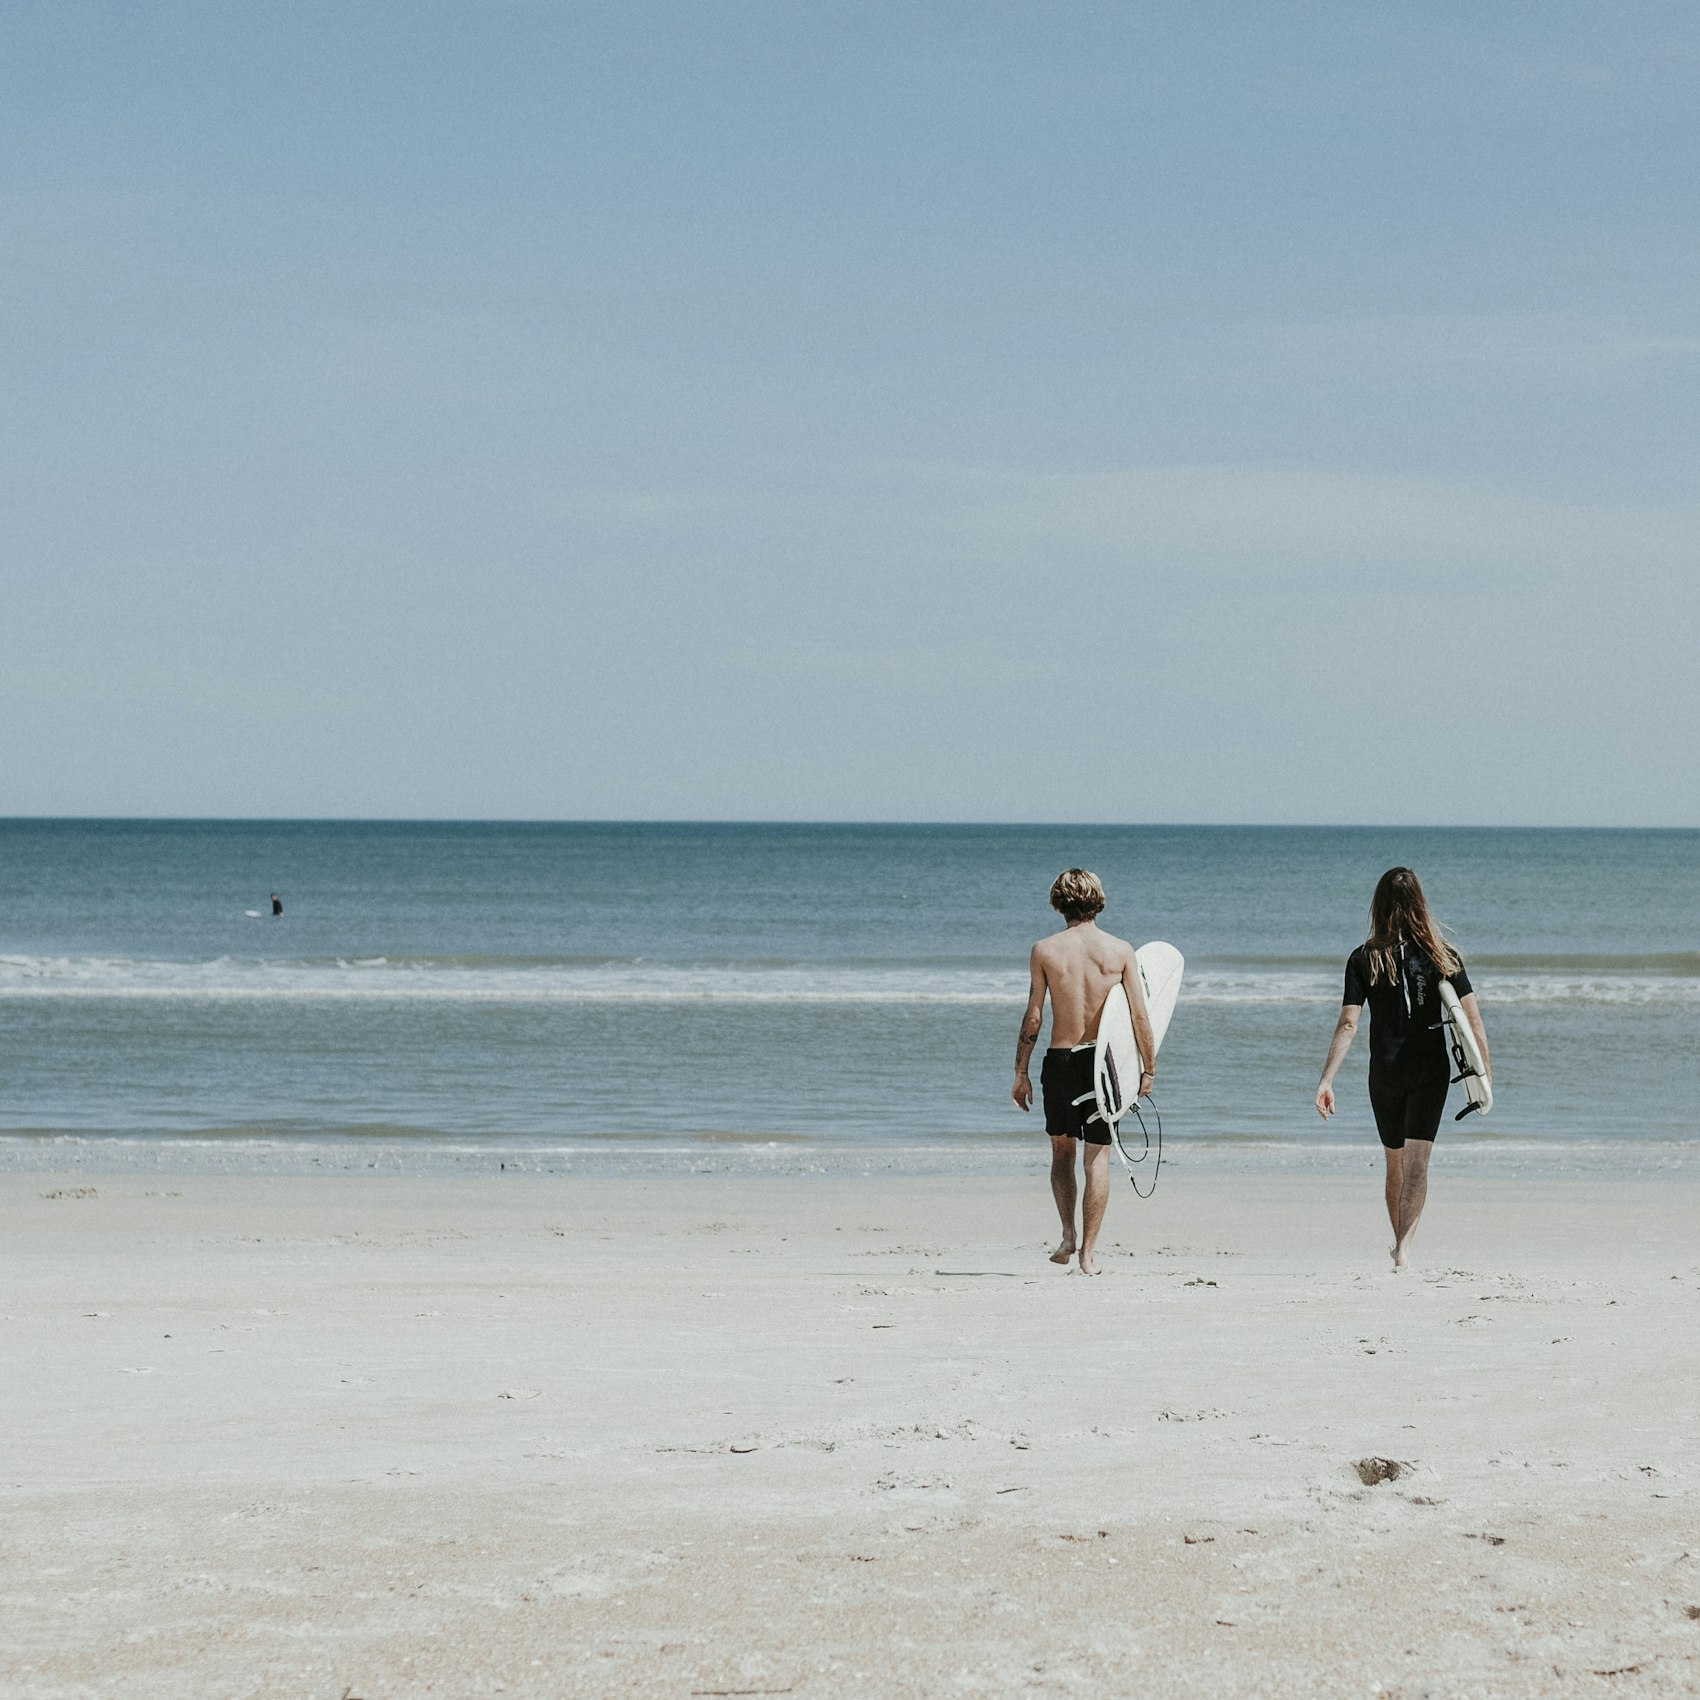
525	980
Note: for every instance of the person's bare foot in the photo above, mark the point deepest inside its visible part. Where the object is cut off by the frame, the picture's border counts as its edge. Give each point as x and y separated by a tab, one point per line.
1064	1253
1087	1266
1400	1259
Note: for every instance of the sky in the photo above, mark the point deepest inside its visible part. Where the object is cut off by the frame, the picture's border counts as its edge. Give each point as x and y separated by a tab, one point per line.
921	411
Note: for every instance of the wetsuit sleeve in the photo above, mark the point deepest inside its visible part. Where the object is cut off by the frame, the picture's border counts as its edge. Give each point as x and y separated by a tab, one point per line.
1356	990
1461	980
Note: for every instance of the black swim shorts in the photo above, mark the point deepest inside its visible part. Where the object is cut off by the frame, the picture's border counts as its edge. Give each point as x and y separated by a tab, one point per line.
1405	1111
1071	1102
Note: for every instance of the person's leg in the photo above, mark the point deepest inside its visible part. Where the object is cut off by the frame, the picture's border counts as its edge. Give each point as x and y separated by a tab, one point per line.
1097	1196
1424	1106
1389	1109
1395	1187
1412	1196
1065	1191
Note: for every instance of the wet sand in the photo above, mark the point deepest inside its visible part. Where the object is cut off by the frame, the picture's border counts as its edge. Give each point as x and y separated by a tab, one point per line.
696	1434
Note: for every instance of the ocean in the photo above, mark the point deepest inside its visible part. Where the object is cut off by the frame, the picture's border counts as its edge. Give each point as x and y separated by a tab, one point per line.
566	988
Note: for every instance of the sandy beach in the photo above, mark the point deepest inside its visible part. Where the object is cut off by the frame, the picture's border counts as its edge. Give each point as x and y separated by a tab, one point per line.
708	1435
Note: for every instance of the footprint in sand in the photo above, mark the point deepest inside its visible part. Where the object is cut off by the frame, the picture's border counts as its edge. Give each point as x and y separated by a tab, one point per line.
1374	1470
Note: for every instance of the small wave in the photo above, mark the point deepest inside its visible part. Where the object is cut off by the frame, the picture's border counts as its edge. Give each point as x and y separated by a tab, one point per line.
373	979
1675	963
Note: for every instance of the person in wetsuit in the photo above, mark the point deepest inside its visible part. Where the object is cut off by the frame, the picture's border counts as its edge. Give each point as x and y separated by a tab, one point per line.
1397	971
277	904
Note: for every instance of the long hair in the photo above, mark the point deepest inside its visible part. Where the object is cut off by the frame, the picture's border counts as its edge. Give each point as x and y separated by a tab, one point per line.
1398	915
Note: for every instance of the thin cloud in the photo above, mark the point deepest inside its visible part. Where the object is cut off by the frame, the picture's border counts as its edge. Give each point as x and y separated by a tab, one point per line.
1560	341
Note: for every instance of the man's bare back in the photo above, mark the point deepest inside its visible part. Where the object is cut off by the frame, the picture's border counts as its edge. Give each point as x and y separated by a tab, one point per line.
1077	969
1079	966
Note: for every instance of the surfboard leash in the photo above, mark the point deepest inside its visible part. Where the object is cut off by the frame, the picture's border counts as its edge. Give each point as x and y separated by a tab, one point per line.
1156	1168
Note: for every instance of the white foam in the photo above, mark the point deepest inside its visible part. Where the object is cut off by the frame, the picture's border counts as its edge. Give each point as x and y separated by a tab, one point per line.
1589	1160
377	978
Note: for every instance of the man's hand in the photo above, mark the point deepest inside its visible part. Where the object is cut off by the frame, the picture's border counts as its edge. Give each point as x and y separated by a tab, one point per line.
1022	1091
1147	1079
1325	1099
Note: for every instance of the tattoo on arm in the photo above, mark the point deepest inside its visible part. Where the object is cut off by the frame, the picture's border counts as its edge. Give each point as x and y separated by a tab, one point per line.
1024	1045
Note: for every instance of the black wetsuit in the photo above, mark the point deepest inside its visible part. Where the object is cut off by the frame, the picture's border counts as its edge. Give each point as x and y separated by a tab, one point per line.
1410	1067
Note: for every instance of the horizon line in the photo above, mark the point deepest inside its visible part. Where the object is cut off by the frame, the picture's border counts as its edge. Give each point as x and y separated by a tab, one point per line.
820	822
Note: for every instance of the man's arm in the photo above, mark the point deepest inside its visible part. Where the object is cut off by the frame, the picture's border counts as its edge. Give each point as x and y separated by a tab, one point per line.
1031	1022
1345	1031
1134	986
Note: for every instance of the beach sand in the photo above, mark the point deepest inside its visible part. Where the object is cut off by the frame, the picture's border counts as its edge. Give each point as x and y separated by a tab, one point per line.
706	1435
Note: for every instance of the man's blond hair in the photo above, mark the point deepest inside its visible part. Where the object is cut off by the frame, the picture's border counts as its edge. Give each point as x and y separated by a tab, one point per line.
1076	895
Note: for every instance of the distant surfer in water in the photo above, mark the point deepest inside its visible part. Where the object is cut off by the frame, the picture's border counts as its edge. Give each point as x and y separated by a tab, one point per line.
277	904
1397	971
1077	968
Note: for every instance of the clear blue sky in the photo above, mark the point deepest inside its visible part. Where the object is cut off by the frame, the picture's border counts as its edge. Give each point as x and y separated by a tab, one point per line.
958	411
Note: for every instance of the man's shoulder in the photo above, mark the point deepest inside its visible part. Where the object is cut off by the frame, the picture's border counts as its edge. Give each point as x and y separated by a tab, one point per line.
1056	950
1115	943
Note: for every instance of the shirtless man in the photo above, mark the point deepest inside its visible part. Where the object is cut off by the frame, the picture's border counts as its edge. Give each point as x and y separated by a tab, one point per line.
1077	968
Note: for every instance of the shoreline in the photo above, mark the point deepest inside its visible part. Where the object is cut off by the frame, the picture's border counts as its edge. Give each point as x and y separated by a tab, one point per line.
762	1155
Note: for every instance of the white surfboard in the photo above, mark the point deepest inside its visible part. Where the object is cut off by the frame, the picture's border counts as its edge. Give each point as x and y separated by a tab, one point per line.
1466	1054
1115	1071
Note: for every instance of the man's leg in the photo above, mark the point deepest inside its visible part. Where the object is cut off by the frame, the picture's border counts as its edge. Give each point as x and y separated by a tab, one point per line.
1065	1191
1097	1196
1413	1195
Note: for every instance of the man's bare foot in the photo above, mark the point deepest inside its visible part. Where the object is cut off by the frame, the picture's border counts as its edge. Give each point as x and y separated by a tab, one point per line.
1087	1266
1400	1259
1064	1253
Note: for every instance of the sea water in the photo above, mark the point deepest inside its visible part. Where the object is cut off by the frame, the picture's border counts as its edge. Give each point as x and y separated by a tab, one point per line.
567	987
